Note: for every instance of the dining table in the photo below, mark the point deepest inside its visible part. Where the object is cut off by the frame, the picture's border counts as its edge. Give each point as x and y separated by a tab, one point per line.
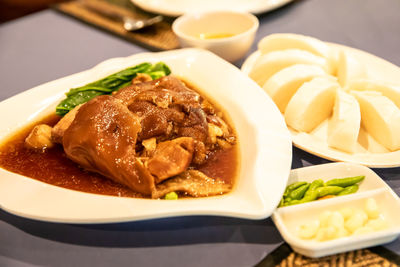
48	45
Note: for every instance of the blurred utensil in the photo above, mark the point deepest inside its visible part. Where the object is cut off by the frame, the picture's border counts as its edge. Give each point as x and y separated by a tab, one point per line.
129	23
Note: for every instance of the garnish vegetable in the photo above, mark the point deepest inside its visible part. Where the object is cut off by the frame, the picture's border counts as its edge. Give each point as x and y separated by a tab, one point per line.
109	84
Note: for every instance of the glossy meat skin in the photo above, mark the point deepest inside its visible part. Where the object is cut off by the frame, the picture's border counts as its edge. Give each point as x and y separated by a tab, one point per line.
100	141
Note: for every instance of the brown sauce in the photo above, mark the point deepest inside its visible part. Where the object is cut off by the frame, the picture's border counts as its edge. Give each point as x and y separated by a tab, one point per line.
53	166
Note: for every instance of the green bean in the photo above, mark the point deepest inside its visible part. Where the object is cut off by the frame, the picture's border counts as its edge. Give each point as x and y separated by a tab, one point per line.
328	190
292	187
344	182
348	190
299	192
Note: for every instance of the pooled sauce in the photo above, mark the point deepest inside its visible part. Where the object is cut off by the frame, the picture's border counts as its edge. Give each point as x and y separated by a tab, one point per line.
206	36
53	166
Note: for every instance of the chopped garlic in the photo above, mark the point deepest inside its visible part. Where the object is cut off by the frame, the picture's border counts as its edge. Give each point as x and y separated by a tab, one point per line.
371	208
377	224
346	212
356	220
344	222
308	231
324	218
336	219
363	230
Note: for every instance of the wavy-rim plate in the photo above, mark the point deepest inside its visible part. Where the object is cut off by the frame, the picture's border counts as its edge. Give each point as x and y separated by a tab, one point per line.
176	8
264	145
315	142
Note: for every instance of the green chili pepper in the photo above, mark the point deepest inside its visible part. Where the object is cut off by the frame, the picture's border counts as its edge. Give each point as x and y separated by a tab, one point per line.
285	201
310	195
345	182
329	190
292	187
348	190
312	192
299	192
281	203
315	184
302	192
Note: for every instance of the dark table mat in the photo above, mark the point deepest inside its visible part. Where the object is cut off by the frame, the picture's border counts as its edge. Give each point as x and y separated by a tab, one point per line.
156	37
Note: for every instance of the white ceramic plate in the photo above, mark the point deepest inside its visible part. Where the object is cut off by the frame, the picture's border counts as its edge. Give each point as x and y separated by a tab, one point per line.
176	8
375	155
264	142
288	219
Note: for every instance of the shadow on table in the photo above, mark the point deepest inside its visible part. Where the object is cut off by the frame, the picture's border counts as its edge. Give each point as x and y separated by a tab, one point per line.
174	231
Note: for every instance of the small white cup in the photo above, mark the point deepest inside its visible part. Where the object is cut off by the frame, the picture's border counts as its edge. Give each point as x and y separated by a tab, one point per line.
228	34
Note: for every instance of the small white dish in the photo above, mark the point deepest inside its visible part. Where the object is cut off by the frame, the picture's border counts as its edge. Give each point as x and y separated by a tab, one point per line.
288	219
228	34
370	152
176	8
264	144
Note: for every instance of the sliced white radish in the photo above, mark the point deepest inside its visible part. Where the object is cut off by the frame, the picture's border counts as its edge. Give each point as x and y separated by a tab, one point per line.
344	125
269	64
281	41
349	68
391	91
380	117
311	104
283	84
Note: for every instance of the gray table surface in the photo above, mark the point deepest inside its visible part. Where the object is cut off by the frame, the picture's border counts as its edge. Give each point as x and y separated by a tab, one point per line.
47	45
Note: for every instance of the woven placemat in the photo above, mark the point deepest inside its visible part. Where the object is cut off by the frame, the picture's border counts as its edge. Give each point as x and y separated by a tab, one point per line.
284	256
157	37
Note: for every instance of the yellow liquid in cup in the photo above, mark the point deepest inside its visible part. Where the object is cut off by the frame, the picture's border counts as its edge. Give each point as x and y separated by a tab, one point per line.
206	36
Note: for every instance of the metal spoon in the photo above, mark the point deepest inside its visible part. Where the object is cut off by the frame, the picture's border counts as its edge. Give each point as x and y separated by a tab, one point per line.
129	23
